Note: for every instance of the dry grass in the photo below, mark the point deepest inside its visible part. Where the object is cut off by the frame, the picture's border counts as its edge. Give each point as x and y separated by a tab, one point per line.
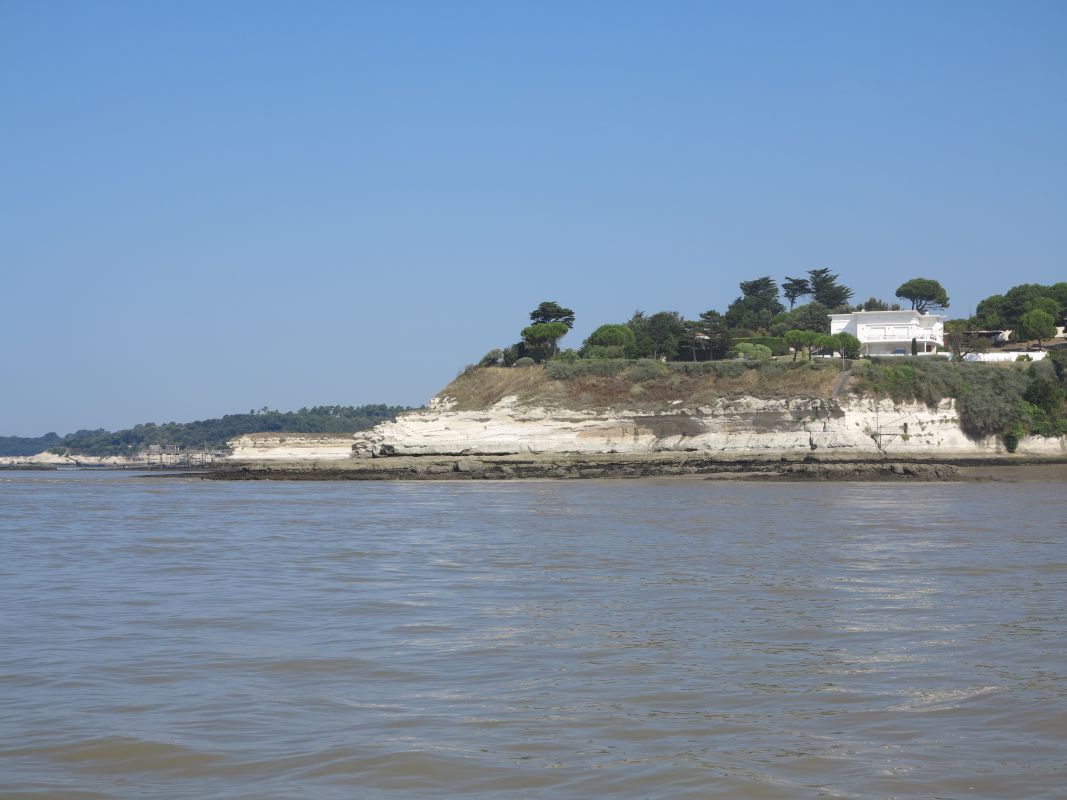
485	386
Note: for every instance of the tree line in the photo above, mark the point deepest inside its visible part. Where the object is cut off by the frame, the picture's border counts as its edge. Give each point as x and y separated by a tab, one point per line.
211	434
755	325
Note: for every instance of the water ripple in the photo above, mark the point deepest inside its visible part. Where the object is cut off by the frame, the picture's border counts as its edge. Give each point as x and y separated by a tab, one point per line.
664	639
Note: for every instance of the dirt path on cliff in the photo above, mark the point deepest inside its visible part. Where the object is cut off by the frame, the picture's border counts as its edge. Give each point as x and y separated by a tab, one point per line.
840	384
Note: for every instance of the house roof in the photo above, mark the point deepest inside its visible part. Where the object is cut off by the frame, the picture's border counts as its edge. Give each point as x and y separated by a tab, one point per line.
902	314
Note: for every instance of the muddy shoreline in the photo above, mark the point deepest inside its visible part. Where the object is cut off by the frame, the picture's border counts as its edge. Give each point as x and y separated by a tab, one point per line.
650	465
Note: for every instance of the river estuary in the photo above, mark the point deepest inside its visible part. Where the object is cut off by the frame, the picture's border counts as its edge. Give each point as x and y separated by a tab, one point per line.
170	637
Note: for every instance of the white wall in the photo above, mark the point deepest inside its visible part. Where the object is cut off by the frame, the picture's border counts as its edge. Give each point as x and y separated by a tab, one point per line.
890	326
1001	357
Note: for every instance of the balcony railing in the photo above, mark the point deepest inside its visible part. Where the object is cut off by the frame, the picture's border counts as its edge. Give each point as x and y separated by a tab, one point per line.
921	336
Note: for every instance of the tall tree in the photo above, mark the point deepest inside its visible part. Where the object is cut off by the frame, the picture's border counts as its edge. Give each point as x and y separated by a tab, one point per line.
542	338
550	311
812	317
1059	291
924	293
798	339
848	345
665	329
1036	324
1004	311
694	340
794	289
991	313
611	335
706	339
756	306
825	289
764	288
819	343
609	341
1050	305
642	346
1020	299
714	326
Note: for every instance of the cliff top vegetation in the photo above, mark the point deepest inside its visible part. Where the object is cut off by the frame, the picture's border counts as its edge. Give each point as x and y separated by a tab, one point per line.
1030	311
1007	400
644	384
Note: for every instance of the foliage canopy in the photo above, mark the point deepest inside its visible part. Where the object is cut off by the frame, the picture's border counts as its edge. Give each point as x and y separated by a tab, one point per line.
1036	324
924	294
550	311
612	335
825	289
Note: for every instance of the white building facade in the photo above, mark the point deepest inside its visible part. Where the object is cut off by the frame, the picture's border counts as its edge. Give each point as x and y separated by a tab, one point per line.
889	333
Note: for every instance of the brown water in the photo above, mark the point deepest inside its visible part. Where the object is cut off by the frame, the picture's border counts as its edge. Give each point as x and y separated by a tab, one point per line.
177	638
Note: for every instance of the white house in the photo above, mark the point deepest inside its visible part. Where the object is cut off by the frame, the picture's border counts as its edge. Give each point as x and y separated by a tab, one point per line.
889	333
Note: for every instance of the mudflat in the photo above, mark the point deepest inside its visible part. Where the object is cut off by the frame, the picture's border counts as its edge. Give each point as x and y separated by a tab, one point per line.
643	465
1018	473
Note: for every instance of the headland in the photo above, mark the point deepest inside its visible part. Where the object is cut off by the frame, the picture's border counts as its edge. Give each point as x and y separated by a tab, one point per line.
747	420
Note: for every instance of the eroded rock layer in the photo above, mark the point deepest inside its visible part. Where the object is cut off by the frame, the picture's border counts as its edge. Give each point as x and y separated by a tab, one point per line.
739	426
284	446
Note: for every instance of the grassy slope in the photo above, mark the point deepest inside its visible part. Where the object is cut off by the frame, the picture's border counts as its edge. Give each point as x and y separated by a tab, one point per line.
641	386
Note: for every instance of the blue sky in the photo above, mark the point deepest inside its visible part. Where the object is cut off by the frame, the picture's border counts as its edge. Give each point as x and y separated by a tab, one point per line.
210	207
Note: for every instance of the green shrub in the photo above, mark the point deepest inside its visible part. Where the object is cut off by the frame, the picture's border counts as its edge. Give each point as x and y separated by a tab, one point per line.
733	369
513	353
1013	435
927	380
565	371
777	344
1036	420
525	361
1057	359
1044	392
647	369
492	358
898	381
753	352
693	368
847	344
730	369
989	403
596	351
1043	402
613	367
989	398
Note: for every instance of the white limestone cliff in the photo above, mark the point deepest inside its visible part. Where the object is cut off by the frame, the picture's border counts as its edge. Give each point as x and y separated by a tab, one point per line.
47	459
740	427
291	446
